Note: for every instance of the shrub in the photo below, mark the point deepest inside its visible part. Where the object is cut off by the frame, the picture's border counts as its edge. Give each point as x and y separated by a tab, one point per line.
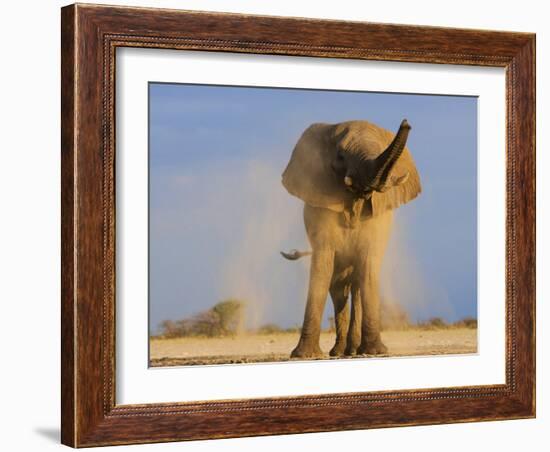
293	329
231	316
206	323
225	318
434	323
270	328
169	328
467	322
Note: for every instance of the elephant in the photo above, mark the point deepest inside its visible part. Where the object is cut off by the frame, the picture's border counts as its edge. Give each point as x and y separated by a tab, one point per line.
350	176
343	282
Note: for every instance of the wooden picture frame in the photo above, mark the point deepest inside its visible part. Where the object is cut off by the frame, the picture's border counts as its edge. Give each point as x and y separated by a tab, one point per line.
90	35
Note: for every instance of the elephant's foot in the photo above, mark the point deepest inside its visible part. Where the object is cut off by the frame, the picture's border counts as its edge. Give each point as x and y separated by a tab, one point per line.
307	351
338	349
354	339
351	350
373	348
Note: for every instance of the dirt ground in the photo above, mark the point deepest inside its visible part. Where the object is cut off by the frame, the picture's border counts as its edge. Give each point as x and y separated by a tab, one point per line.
253	348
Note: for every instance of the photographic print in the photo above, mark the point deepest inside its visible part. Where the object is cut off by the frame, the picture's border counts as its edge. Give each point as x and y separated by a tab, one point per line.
290	224
275	202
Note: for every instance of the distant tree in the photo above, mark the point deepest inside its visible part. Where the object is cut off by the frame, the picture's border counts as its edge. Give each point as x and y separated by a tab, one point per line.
225	318
269	328
231	316
466	322
434	323
169	328
293	329
185	327
206	323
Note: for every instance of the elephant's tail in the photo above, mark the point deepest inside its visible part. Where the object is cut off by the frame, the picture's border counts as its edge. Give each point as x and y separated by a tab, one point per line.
293	255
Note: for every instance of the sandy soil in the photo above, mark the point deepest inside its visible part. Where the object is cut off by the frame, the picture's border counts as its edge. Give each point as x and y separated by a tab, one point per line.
277	347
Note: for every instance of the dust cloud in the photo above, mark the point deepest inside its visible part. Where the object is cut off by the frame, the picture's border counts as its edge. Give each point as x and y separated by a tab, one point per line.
404	282
273	289
265	219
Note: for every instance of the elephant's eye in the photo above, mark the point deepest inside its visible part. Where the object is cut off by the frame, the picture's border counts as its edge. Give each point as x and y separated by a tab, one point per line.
340	156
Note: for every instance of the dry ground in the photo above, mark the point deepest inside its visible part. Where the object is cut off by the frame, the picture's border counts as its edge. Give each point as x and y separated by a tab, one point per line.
252	348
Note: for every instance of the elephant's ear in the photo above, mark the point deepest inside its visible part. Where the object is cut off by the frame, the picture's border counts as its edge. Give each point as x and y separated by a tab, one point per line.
406	182
309	174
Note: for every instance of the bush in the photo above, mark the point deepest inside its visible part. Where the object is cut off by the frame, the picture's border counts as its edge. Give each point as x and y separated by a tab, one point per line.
231	316
206	323
435	323
270	328
225	318
169	329
293	329
467	322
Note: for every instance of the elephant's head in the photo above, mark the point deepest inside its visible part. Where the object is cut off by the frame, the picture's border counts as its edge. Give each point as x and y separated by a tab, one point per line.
333	165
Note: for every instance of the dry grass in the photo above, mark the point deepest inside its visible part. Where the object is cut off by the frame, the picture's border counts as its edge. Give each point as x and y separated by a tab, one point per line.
249	348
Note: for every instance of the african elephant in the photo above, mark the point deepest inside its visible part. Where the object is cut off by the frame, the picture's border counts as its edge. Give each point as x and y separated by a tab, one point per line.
343	282
350	176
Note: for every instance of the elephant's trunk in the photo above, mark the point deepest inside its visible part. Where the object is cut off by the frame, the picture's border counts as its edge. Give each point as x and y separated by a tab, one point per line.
295	254
386	160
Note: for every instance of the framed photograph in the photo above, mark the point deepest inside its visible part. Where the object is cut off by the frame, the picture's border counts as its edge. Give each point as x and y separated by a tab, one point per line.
282	225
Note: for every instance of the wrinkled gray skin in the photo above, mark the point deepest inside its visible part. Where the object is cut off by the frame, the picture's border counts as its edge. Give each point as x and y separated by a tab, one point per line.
350	176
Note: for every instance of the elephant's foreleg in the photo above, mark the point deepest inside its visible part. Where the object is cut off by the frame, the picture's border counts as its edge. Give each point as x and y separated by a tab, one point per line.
322	262
339	292
371	342
354	331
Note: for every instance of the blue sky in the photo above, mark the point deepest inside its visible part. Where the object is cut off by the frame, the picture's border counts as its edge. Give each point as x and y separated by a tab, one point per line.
219	215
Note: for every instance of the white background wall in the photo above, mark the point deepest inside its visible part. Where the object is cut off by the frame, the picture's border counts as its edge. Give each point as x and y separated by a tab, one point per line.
29	226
